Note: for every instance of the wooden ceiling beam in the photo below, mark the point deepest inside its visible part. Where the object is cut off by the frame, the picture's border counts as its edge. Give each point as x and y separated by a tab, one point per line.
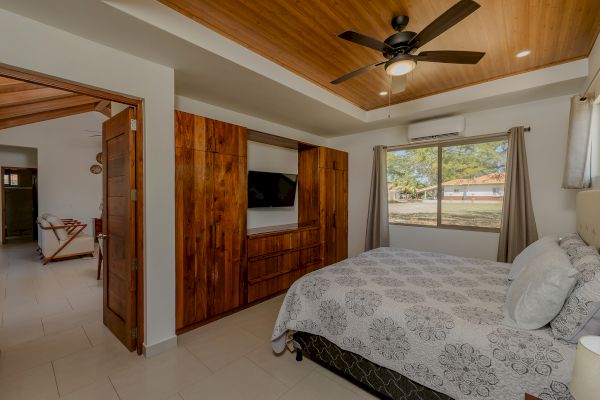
44	106
17	87
31	96
103	107
47	115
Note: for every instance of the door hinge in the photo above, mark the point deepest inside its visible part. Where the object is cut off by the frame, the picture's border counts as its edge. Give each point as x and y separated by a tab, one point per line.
133	194
134	333
133	124
134	264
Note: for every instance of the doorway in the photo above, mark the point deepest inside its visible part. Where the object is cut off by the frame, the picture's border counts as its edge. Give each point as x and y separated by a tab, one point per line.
122	138
19	203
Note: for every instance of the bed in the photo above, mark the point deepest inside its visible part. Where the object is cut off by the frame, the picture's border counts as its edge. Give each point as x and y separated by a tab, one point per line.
408	324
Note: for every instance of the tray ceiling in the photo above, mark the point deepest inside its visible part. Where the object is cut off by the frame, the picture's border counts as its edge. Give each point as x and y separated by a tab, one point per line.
302	37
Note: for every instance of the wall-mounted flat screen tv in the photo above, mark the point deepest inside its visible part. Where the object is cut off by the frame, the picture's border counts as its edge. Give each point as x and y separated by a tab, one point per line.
268	189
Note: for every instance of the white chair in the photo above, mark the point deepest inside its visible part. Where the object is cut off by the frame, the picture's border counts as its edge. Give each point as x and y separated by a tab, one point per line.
63	238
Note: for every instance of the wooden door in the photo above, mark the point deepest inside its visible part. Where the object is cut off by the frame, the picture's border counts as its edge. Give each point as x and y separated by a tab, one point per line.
229	208
119	223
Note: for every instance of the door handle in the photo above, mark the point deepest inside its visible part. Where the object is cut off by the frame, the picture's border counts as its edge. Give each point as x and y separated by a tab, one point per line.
102	236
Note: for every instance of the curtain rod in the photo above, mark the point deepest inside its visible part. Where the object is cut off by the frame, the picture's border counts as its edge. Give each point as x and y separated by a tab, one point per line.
467	139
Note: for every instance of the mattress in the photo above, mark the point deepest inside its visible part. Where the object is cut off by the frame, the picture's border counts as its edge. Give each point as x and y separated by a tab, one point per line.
433	318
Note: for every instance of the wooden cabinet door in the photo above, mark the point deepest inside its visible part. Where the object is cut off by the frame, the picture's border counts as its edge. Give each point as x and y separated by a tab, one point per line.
120	276
227	138
341	214
328	184
230	207
193	234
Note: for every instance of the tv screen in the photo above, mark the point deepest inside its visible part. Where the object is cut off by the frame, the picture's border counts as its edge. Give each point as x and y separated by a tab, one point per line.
268	189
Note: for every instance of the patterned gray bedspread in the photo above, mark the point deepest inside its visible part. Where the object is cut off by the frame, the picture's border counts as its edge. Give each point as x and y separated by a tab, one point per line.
434	318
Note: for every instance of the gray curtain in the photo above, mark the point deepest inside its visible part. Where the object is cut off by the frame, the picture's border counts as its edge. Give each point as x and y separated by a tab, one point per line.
577	162
378	228
518	222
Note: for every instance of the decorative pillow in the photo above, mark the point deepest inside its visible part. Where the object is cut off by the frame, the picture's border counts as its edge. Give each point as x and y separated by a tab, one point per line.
61	233
529	254
538	293
580	315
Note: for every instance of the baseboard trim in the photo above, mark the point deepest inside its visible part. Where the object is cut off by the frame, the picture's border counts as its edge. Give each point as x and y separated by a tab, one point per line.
159	347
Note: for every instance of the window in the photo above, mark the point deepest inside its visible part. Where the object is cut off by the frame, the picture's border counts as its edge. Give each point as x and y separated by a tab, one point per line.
467	175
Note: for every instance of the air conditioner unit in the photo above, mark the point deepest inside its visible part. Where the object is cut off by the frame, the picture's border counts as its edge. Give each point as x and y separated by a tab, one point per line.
436	129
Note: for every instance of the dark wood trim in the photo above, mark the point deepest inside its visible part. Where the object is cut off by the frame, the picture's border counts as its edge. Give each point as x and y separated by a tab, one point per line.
138	104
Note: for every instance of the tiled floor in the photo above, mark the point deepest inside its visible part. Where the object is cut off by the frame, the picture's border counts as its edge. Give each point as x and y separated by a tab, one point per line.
54	346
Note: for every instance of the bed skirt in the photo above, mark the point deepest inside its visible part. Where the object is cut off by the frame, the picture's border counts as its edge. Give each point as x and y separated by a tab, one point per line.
377	380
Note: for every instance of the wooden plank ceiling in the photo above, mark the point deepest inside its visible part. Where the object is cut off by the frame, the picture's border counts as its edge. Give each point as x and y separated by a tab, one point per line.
301	35
24	103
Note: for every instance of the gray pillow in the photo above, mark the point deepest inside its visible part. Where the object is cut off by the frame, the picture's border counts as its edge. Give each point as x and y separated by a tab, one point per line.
538	293
529	254
61	233
580	315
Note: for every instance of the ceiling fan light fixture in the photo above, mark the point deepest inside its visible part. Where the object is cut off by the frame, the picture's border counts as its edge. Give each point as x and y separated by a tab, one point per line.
523	53
400	65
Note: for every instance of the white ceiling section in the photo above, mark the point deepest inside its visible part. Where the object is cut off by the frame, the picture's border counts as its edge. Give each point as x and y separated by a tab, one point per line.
213	69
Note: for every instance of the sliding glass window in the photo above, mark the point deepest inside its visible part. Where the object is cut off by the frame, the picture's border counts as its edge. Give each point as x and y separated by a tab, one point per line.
455	184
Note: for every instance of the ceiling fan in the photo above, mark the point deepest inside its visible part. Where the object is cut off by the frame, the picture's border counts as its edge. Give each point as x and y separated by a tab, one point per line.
398	49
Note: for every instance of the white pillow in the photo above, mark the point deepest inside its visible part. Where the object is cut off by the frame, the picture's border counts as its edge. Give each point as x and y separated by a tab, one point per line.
529	254
61	233
538	293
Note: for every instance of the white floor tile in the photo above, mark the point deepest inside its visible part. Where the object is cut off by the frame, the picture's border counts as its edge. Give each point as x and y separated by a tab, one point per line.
159	377
35	383
241	380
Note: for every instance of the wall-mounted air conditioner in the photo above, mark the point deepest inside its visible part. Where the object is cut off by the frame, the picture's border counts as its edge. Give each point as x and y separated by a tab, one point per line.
436	129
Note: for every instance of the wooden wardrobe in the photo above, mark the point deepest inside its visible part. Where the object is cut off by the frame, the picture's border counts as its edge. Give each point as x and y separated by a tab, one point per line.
211	203
222	266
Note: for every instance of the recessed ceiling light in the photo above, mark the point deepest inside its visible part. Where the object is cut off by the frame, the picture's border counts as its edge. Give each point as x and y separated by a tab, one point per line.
383	93
523	53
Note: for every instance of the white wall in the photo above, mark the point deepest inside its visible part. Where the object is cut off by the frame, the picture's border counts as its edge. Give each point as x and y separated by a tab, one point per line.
14	156
65	152
30	45
268	158
554	207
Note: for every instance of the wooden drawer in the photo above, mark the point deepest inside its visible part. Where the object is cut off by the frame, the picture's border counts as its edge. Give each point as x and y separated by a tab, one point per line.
264	245
310	255
272	266
277	284
310	237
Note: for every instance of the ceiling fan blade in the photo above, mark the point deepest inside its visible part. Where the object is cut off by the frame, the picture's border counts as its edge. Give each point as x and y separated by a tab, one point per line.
356	73
450	56
398	84
447	20
365	40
